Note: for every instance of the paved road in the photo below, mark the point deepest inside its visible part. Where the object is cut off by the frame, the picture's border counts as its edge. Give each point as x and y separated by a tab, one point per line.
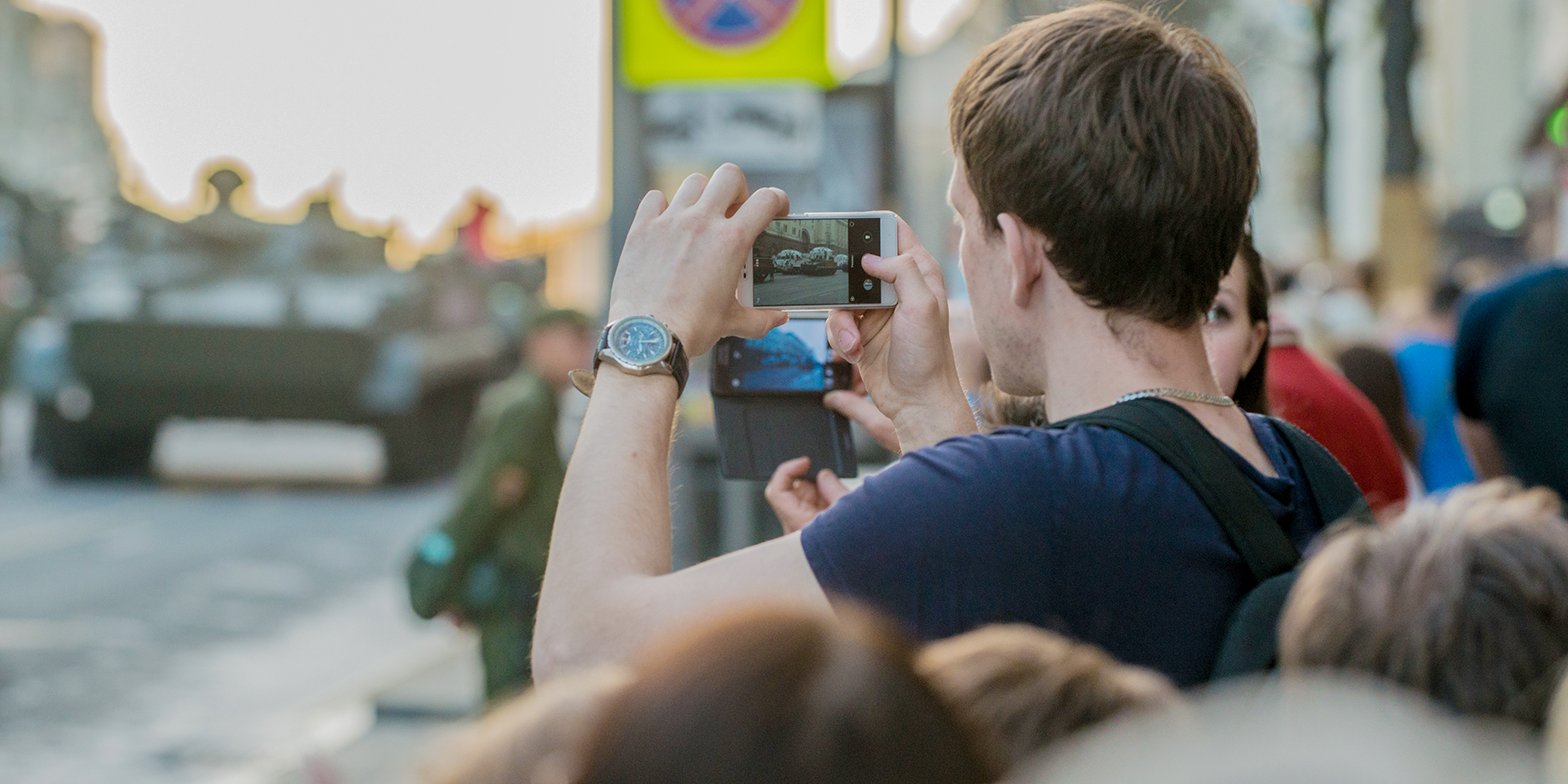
785	290
170	633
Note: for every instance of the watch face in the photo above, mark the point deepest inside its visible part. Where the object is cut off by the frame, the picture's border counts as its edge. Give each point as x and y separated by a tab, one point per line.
640	340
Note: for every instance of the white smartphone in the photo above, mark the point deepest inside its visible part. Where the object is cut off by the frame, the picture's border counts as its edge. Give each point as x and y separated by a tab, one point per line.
811	261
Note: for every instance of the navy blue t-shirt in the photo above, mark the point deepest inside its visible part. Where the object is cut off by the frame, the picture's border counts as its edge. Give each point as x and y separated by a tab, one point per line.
1084	531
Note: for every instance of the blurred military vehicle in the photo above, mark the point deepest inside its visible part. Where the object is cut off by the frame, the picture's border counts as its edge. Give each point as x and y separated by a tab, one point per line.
788	262
227	317
819	261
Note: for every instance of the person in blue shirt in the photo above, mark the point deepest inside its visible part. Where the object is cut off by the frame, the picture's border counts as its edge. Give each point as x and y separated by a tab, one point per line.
1426	370
1105	163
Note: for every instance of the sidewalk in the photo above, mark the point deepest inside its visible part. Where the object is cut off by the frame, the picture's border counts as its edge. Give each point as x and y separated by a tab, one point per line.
411	718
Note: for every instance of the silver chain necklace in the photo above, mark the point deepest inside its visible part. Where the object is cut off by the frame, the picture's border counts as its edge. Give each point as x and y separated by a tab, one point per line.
1179	394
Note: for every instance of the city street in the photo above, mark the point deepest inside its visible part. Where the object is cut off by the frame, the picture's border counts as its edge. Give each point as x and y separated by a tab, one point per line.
784	290
196	630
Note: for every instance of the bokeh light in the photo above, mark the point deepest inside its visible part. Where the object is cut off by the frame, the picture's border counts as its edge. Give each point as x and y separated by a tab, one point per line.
1557	127
1505	209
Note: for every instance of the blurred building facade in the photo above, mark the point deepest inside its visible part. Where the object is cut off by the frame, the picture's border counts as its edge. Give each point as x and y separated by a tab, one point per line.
1483	71
51	140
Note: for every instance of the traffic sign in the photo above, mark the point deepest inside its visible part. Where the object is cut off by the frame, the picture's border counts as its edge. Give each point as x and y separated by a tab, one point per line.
729	23
685	41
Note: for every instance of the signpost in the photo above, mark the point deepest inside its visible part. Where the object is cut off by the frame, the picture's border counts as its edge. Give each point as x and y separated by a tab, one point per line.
700	82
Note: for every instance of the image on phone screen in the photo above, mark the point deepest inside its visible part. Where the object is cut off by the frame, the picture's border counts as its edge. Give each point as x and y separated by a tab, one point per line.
794	357
815	261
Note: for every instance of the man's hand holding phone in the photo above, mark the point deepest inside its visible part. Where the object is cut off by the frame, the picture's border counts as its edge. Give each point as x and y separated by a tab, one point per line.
679	266
904	354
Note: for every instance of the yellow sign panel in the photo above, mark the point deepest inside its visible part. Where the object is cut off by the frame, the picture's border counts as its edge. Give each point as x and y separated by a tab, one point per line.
684	41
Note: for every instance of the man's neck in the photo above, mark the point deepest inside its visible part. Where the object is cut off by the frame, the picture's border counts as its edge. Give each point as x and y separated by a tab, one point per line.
1090	365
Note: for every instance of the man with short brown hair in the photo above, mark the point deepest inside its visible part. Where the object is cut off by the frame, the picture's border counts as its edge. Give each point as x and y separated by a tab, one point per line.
1030	126
1105	164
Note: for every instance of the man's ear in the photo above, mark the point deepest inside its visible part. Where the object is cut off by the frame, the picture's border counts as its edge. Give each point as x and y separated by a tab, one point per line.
1025	256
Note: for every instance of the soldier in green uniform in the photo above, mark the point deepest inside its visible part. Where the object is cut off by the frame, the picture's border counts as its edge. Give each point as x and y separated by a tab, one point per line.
13	313
482	565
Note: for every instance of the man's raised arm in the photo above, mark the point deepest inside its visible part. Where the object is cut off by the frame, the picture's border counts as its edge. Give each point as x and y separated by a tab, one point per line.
608	585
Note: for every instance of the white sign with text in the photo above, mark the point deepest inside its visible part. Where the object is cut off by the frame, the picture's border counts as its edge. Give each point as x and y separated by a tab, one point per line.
774	128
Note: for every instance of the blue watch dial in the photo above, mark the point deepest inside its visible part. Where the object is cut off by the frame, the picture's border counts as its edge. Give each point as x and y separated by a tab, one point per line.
640	340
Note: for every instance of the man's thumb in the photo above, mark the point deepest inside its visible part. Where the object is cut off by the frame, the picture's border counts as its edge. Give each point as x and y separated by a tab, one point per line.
753	323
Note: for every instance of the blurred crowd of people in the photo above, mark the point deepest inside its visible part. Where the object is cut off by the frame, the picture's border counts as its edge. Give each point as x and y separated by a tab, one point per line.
774	693
1157	516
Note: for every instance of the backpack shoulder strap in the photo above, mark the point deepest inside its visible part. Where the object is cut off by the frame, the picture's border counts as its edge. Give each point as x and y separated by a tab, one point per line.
1182	442
1334	491
1251	642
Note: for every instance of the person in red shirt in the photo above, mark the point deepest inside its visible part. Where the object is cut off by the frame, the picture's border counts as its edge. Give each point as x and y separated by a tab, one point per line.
1316	398
1289	383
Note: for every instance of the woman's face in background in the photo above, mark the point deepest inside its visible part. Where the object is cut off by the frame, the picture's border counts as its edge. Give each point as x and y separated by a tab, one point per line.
1232	339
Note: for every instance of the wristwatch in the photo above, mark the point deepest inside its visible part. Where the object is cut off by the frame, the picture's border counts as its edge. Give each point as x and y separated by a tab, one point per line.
641	346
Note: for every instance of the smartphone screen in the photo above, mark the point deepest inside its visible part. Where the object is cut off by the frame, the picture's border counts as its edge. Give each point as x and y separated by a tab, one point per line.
793	358
815	261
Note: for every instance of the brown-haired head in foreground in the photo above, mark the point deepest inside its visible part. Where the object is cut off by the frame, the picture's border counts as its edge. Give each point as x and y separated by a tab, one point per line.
782	696
1127	142
1464	598
1023	688
534	738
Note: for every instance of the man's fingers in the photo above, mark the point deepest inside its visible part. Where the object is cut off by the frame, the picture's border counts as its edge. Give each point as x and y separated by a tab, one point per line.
914	290
850	331
726	189
907	241
753	323
652	205
691	189
909	244
844	334
931	271
759	209
830	486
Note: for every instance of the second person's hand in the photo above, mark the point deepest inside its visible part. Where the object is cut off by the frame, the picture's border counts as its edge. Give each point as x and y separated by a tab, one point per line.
796	498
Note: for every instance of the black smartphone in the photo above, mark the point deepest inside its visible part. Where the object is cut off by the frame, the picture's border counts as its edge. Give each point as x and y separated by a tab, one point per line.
793	359
767	399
